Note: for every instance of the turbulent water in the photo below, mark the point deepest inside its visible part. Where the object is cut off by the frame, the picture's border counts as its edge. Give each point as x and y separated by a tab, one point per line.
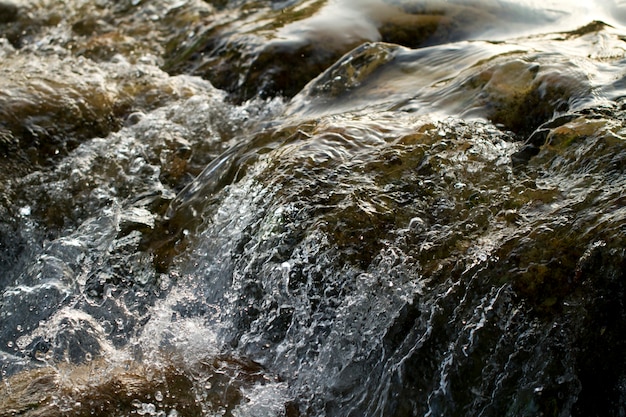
312	208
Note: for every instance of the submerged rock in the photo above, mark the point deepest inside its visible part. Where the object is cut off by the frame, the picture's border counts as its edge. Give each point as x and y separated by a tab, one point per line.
269	50
518	85
345	224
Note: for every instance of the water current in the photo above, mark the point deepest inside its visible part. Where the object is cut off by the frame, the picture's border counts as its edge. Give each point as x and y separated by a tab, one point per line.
312	208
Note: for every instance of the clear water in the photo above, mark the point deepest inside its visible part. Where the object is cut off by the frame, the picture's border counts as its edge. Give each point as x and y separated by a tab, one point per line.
432	224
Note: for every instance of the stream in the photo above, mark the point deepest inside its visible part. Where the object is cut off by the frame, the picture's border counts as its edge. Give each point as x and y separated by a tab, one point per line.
312	208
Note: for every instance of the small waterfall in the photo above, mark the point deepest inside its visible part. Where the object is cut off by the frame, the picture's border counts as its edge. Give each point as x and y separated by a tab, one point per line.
312	208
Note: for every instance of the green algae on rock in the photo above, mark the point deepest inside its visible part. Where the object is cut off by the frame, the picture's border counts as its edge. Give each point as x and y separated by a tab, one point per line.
47	114
130	388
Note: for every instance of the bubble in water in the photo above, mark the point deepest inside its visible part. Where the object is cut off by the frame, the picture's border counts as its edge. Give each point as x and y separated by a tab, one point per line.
107	328
148	408
158	396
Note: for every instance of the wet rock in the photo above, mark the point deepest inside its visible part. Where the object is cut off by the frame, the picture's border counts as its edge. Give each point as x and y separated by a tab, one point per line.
518	86
373	245
91	25
503	268
257	62
537	139
8	12
280	57
348	74
213	384
285	46
49	106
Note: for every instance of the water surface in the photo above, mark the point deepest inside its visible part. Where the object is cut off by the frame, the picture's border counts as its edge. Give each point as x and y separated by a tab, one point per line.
312	208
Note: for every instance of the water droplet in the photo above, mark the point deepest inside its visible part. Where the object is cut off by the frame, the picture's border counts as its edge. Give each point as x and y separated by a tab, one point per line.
19	328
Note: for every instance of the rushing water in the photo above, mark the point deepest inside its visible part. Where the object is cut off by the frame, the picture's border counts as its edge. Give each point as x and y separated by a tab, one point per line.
312	208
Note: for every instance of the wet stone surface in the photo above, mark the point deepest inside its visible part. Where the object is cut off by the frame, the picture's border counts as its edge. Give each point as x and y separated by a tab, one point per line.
8	12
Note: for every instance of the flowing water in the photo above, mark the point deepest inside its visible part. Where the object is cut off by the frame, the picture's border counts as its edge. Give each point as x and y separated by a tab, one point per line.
312	208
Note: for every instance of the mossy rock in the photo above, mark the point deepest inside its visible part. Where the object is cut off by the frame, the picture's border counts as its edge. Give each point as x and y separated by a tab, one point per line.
49	106
215	384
